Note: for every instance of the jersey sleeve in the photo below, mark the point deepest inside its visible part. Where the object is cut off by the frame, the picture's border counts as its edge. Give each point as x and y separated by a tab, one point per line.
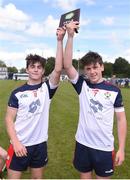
13	101
118	105
51	88
77	83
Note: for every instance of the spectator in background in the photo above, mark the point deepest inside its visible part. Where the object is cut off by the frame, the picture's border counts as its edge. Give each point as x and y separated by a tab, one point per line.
113	80
126	82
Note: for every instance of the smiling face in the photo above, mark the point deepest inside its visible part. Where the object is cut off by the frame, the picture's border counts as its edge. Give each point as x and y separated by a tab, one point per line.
35	67
35	72
94	72
93	66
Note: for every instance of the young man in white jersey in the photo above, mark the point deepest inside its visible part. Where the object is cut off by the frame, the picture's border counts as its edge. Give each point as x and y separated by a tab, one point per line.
98	101
28	113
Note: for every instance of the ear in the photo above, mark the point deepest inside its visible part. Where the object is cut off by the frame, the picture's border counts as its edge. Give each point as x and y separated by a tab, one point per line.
102	66
26	70
43	71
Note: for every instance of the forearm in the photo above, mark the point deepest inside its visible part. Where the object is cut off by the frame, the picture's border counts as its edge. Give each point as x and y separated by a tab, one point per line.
9	121
11	131
68	53
55	75
59	57
122	131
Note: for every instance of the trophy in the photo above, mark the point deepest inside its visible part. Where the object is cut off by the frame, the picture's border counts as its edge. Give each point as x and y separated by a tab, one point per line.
67	17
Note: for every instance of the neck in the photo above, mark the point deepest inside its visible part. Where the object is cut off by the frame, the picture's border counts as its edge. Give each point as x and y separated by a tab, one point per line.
97	82
101	80
34	82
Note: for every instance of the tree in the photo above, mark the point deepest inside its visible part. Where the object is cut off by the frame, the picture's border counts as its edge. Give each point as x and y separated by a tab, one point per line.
2	64
75	63
108	69
12	69
23	70
49	65
128	71
120	67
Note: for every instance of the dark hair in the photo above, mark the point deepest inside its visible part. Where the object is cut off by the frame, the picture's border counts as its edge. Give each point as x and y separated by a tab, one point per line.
91	58
32	59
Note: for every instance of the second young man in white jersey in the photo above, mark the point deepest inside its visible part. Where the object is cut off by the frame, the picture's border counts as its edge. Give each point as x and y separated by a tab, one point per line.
98	101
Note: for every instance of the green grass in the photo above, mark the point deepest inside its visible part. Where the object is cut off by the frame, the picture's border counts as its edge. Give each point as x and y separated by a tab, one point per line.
62	128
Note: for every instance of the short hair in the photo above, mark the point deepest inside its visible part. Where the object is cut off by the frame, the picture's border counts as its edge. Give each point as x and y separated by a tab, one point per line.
91	58
32	59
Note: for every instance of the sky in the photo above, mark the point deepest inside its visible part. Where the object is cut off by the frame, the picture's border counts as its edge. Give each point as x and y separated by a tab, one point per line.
29	26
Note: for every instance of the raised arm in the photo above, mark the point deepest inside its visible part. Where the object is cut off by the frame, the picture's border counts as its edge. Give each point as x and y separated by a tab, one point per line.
55	75
122	130
68	55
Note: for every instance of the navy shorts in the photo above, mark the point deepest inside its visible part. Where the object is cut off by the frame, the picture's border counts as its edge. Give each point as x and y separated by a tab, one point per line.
36	157
87	159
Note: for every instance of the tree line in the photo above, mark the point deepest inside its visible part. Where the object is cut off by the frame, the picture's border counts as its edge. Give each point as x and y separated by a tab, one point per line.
120	68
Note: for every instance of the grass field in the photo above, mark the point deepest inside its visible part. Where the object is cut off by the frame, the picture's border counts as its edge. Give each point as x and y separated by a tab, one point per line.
62	128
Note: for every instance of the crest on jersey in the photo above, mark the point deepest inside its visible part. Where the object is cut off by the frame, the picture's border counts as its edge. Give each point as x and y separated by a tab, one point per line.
95	91
107	95
35	93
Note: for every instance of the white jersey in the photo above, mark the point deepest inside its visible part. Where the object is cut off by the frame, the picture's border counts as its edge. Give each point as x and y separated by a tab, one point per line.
32	103
97	105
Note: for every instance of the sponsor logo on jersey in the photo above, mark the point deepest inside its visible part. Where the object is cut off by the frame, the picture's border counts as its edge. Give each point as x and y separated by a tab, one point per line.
46	159
23	95
34	105
96	105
